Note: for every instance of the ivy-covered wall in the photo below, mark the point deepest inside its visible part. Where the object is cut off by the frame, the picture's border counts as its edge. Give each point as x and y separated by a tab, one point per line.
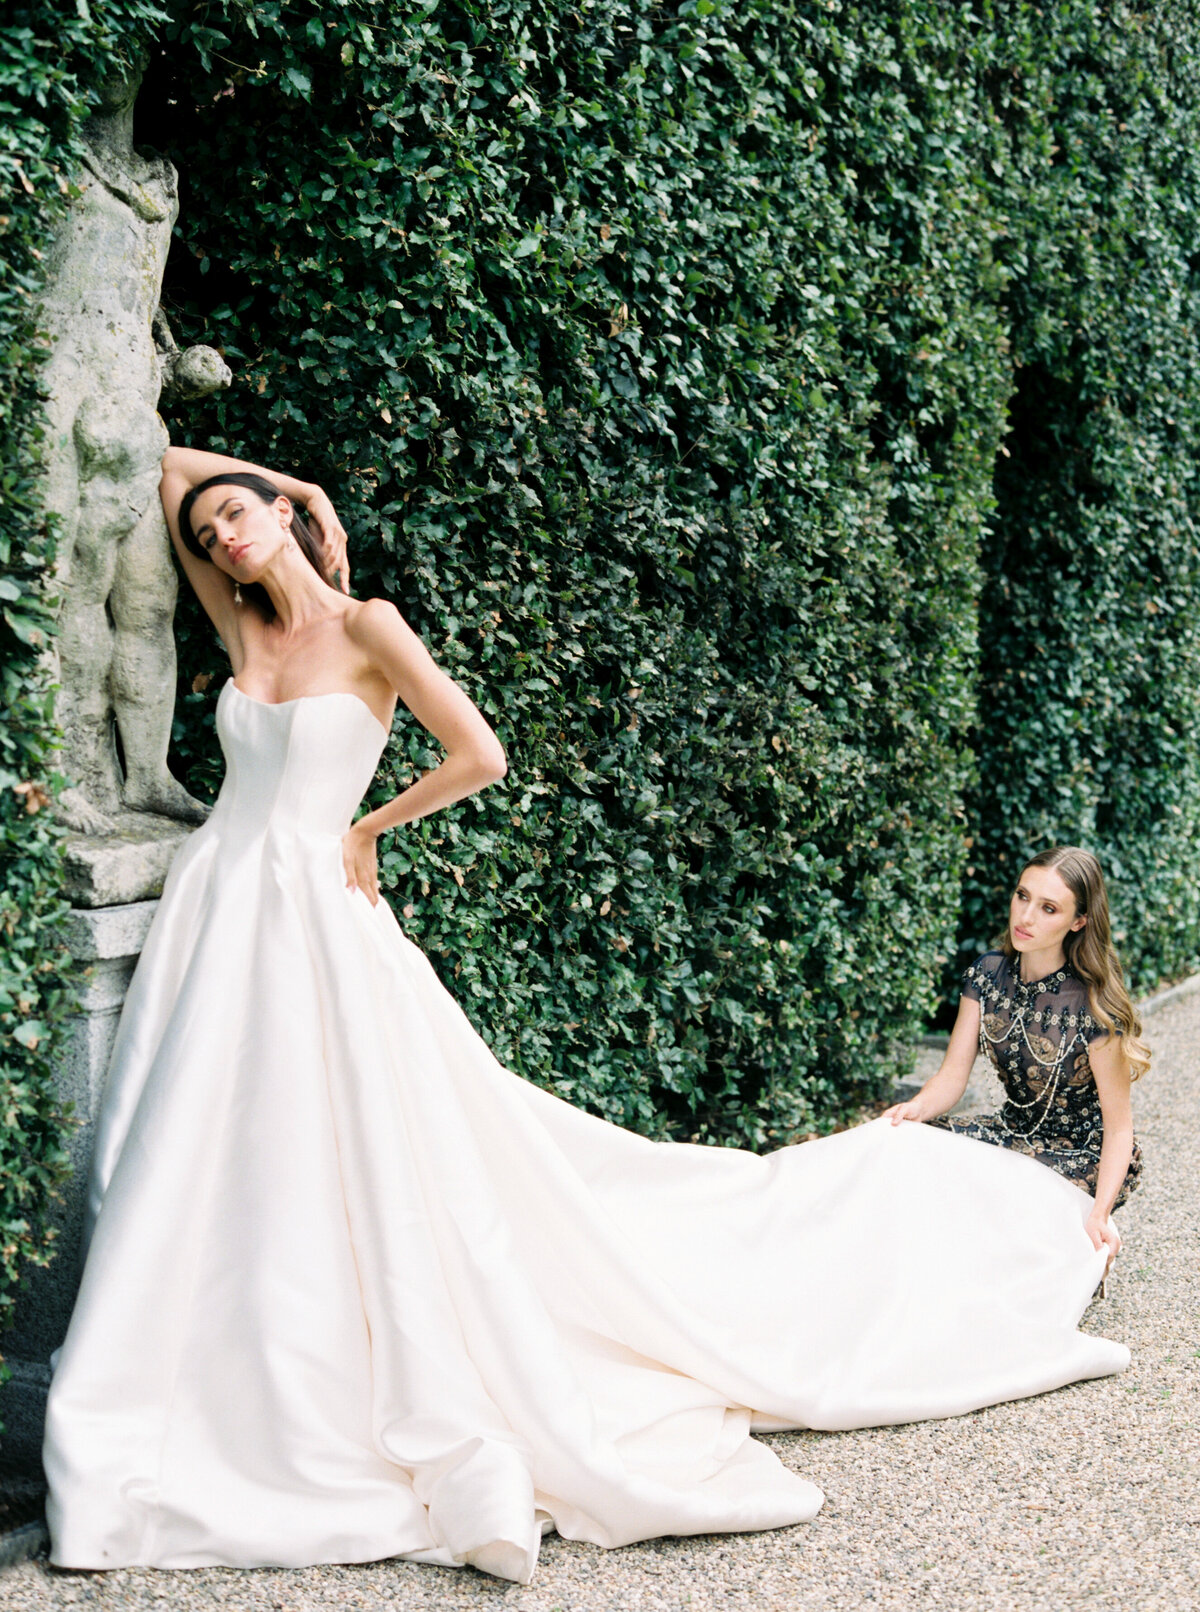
1090	628
780	414
656	364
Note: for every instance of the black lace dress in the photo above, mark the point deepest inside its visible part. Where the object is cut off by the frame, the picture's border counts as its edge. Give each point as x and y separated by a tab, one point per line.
1037	1036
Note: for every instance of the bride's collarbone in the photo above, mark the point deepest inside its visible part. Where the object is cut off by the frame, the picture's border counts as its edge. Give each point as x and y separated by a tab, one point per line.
316	658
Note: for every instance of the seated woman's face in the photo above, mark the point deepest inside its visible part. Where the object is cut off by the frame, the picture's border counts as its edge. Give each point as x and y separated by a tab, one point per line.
1042	912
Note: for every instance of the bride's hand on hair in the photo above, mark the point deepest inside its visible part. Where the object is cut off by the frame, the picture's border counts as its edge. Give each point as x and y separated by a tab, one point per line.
321	514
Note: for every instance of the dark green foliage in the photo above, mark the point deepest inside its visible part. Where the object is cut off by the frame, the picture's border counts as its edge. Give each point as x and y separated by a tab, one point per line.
658	360
47	55
654	362
1090	688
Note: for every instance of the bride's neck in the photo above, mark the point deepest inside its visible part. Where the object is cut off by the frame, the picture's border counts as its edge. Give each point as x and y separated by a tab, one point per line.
299	595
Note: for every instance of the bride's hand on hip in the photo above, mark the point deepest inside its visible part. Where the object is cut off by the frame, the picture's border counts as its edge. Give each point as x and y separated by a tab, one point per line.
333	537
360	859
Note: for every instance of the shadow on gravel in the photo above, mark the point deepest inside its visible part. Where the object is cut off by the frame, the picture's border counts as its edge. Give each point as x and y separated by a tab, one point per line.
22	1516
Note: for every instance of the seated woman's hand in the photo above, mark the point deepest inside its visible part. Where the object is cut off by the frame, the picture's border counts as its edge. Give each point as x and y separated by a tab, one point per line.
914	1109
1103	1234
321	514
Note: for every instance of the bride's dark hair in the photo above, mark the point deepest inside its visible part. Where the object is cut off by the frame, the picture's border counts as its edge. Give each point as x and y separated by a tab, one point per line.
266	491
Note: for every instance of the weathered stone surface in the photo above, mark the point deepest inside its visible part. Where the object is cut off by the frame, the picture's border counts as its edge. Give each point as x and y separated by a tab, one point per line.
126	863
115	650
189	372
107	932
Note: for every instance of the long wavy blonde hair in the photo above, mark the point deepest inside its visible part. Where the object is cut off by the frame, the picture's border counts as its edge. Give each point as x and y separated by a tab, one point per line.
1090	952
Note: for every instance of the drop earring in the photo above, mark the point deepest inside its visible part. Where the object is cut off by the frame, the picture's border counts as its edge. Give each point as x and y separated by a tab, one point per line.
237	593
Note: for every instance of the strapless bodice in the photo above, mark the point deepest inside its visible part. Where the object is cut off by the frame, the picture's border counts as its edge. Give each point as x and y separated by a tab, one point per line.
302	763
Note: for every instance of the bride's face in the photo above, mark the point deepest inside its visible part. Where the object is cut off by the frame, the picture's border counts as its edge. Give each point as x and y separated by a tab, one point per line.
240	534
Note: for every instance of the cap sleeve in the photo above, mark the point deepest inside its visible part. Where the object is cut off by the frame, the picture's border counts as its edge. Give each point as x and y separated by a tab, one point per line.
976	976
1096	1032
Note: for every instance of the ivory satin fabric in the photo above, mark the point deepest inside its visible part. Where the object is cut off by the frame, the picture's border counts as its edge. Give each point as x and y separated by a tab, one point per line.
356	1291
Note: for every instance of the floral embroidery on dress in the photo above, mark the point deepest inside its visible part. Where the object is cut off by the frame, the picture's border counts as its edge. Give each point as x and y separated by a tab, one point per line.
1036	1035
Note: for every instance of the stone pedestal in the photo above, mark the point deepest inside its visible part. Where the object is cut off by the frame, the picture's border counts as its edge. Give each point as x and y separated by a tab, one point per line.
121	867
105	943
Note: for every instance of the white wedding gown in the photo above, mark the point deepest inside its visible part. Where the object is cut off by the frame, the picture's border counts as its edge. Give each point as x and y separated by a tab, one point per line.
356	1291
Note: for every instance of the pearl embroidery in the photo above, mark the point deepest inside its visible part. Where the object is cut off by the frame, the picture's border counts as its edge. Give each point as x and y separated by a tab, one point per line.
1019	1002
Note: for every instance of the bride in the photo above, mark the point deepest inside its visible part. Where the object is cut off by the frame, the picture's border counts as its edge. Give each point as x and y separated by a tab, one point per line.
355	1291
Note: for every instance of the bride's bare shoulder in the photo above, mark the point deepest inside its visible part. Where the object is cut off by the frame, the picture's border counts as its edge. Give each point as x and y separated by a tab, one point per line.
376	624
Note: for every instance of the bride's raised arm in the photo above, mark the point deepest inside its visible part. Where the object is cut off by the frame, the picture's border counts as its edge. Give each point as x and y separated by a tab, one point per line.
185	468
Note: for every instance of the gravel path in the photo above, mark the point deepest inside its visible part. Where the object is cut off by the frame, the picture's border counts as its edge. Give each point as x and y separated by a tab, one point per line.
1085	1498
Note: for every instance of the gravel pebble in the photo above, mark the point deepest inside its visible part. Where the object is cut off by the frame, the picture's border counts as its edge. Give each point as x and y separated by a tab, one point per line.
1088	1497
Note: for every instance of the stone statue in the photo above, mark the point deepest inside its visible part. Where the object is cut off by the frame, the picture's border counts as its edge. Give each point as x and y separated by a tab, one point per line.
112	356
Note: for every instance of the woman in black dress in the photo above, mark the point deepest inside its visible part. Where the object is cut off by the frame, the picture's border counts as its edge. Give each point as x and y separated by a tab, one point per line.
1049	1008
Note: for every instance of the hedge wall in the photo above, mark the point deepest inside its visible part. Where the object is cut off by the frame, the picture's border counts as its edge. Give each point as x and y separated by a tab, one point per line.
660	362
48	54
656	366
1090	629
